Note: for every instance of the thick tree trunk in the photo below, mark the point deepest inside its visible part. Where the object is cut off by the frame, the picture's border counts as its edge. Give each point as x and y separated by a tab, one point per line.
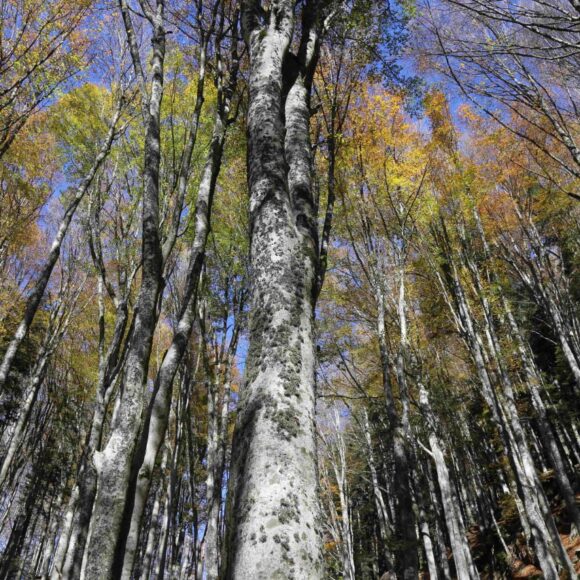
273	523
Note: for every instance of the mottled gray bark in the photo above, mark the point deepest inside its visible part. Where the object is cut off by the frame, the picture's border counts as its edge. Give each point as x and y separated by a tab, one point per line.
14	544
273	515
158	411
113	464
16	435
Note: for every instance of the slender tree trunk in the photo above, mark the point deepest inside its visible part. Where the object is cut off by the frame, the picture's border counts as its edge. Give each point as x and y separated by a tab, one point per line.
114	463
427	544
440	517
158	412
546	540
154	525
339	466
17	435
530	483
548	438
65	532
49	545
9	561
213	486
406	554
57	327
459	546
551	287
37	293
382	513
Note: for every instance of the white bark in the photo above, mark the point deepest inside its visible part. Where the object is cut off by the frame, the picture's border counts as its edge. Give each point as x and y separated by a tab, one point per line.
156	422
501	402
382	514
461	553
273	523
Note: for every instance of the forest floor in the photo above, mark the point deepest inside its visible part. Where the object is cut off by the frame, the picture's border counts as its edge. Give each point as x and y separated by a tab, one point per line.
484	546
522	570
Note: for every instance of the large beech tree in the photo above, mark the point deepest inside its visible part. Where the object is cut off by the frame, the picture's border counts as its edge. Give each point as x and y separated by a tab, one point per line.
274	509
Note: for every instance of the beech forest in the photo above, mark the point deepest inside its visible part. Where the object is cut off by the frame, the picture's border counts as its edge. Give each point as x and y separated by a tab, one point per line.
289	289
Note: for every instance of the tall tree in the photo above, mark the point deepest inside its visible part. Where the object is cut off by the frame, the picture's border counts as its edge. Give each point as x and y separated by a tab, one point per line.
113	463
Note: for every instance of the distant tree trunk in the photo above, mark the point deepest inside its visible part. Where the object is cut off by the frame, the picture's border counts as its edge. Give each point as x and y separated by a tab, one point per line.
530	482
382	514
548	439
461	553
546	540
83	497
439	518
534	381
37	293
49	544
32	388
338	461
9	562
550	286
427	543
406	553
273	526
